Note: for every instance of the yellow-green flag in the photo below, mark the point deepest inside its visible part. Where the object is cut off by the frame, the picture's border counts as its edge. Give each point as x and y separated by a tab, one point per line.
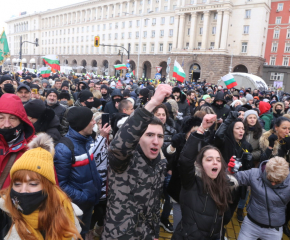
4	49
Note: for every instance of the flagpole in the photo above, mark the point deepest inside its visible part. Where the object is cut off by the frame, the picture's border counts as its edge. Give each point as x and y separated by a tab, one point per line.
231	66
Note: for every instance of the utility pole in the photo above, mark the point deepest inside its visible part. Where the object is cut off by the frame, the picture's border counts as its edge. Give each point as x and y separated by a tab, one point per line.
20	48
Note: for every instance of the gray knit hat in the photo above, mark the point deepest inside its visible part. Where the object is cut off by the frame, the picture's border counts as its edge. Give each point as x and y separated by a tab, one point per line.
249	97
249	112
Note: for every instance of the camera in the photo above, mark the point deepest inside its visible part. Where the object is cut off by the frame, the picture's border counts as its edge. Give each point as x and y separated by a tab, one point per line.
238	164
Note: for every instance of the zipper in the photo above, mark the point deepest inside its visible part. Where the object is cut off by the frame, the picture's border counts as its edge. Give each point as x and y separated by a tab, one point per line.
205	202
214	222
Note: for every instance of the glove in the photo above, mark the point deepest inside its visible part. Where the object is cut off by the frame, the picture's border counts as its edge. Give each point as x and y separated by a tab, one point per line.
231	165
247	162
177	139
272	140
233	115
287	140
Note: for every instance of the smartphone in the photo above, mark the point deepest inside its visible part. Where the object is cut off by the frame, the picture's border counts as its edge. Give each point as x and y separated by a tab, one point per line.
105	119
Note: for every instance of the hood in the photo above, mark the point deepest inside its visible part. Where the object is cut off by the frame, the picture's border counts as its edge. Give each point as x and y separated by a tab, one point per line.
219	96
116	92
79	90
276	104
11	104
264	142
264	107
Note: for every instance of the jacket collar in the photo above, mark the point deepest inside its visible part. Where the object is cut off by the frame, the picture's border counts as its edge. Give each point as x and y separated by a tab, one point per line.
77	136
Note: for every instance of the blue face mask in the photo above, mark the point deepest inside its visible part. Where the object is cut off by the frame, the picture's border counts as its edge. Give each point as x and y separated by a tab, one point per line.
100	109
113	87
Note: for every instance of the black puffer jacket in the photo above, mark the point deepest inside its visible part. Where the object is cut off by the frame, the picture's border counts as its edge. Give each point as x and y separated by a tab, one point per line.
223	110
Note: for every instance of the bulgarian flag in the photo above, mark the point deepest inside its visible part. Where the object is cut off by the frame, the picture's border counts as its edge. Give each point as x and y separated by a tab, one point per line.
178	72
229	81
45	72
52	61
120	66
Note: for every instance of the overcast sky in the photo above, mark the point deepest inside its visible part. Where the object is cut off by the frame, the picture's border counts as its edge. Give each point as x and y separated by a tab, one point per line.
14	7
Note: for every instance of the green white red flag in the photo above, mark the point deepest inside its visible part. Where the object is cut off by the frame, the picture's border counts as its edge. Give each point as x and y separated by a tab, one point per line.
52	61
178	72
120	66
229	81
45	72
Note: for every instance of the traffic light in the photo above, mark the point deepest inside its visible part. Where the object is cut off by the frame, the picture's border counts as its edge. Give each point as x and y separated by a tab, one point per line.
36	42
97	41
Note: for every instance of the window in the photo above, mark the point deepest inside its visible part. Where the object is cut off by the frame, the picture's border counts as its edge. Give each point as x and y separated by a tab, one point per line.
116	35
161	33
199	45
153	33
201	30
213	30
163	20
165	8
144	47
278	20
93	28
248	14
110	26
201	17
72	39
215	16
276	76
174	7
156	9
169	47
138	23
130	23
152	47
288	33
171	20
161	47
211	45
189	18
104	26
88	28
246	29
244	47
123	24
123	35
98	27
145	22
145	34
83	29
129	35
287	47
87	38
285	61
116	26
104	37
137	34
276	33
188	31
109	36
136	47
154	21
280	7
82	38
170	32
187	45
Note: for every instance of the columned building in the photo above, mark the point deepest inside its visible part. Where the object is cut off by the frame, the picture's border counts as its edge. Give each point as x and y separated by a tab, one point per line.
209	37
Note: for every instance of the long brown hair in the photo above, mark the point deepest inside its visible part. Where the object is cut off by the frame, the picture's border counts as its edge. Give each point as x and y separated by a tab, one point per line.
53	218
218	188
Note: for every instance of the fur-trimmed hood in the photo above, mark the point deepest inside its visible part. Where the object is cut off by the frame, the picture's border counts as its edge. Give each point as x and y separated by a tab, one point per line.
264	142
276	104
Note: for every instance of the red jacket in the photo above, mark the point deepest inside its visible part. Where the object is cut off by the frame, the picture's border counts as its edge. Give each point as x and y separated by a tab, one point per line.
11	104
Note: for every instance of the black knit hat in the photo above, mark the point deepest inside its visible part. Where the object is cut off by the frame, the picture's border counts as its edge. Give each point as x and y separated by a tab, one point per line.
104	86
4	78
52	90
97	103
75	121
28	77
65	84
34	86
64	94
34	108
144	92
85	95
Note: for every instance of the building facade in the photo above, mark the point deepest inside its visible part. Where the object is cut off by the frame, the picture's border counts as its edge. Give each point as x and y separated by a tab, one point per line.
210	37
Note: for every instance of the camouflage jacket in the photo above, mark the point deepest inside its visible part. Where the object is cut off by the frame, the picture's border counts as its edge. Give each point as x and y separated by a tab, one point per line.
134	184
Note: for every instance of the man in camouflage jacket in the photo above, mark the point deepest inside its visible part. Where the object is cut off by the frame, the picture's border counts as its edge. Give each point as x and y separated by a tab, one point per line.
135	175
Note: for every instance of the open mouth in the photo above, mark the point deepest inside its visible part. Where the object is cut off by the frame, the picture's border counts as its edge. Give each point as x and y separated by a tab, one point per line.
214	170
154	150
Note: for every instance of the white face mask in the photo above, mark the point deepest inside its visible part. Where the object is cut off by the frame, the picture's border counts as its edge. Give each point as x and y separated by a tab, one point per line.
96	128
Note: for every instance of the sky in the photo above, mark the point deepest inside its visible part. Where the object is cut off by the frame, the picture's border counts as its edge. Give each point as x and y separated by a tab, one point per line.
14	7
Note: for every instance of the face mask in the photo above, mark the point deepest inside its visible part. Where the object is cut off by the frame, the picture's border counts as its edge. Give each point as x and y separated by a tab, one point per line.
113	87
63	102
27	203
100	109
83	87
117	100
219	106
8	88
279	111
96	128
12	133
89	104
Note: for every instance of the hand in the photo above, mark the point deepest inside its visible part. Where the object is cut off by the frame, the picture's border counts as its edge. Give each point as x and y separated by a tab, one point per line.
208	120
177	139
116	105
169	172
247	162
220	120
272	138
231	165
105	130
163	91
233	115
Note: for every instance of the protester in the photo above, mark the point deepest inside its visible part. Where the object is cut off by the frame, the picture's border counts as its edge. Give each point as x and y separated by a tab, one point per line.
265	114
52	103
24	93
112	106
180	98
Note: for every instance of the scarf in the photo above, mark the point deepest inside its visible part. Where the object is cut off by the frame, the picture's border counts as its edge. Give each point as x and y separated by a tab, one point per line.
32	219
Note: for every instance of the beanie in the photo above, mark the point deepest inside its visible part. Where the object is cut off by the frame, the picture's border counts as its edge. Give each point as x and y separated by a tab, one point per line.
249	97
205	96
38	159
52	90
64	94
85	95
35	108
4	78
97	103
249	112
144	92
34	86
64	84
75	121
104	86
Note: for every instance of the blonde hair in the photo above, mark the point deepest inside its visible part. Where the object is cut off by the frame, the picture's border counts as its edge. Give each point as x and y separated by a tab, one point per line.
97	94
277	169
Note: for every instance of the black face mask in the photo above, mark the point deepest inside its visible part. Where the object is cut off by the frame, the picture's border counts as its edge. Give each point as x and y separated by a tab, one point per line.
27	203
117	100
219	106
104	94
278	111
12	133
89	104
8	88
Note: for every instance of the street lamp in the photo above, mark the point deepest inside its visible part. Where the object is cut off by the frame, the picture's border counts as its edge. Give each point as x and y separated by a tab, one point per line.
139	45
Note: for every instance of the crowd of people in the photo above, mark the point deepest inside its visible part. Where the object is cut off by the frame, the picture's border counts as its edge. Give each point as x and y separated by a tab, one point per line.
83	156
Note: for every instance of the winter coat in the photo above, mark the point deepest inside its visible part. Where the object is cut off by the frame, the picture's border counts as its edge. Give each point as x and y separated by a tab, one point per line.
81	180
183	106
265	114
256	153
11	104
200	216
281	150
117	121
275	114
58	109
135	184
221	111
267	205
110	106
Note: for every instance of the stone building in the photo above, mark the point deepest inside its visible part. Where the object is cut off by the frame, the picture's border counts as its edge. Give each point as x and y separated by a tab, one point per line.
209	37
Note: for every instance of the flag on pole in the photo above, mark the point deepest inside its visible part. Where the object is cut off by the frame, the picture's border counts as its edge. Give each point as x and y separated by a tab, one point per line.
45	72
4	48
178	72
120	66
229	81
52	61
